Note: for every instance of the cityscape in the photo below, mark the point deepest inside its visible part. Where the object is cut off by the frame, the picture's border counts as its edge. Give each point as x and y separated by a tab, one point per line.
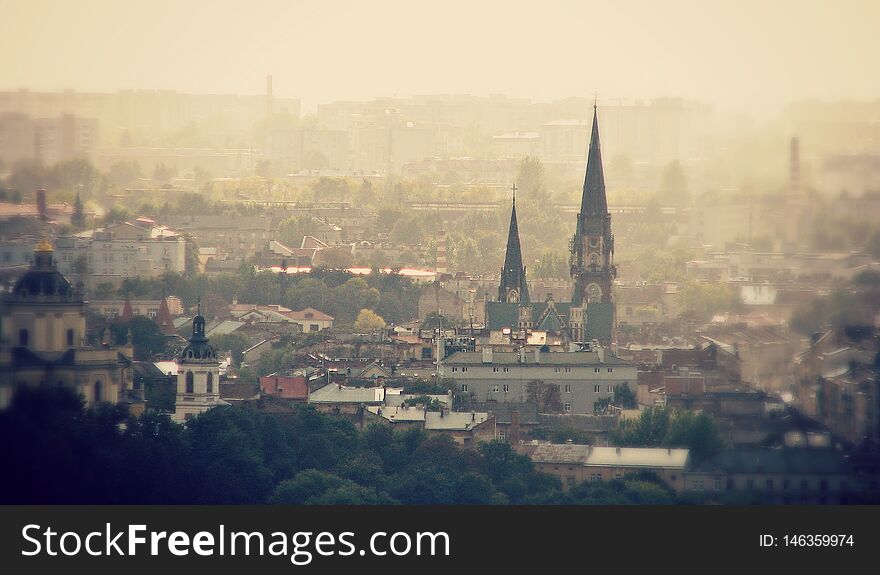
445	298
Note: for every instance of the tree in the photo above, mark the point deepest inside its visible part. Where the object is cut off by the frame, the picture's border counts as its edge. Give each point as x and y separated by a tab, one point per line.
544	395
163	174
291	231
658	426
78	218
146	336
624	396
368	321
233	342
673	185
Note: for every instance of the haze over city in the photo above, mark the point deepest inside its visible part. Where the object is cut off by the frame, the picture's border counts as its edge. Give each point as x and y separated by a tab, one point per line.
747	55
385	253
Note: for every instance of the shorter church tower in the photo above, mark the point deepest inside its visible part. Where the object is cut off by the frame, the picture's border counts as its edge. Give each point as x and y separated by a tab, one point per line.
198	375
513	287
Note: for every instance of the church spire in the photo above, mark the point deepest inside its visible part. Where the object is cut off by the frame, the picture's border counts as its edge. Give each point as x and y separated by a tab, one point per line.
513	287
593	203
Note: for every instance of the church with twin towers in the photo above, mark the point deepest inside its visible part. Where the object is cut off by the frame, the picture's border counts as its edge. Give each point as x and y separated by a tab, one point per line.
589	316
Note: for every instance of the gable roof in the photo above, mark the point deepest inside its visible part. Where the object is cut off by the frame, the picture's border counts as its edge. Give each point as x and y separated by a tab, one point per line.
307	314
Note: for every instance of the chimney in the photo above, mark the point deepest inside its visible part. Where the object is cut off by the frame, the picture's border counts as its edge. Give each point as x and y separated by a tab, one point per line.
473	416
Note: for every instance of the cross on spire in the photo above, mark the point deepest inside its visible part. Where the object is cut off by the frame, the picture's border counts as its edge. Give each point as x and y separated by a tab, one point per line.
513	189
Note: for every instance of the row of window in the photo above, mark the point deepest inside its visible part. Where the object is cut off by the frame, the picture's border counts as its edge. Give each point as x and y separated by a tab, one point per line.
507	369
506	388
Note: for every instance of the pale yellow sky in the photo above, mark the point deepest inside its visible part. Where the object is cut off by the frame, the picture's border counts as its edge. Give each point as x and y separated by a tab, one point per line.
742	53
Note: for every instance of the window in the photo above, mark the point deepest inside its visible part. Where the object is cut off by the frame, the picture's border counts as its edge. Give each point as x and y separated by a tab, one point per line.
495	370
190	382
717	484
698	484
98	391
567	370
596	370
506	369
610	389
568	388
769	484
454	369
23	337
569	481
786	484
610	370
70	338
494	389
506	388
750	484
595	477
210	388
597	388
501	436
464	387
464	369
557	370
805	484
314	327
567	407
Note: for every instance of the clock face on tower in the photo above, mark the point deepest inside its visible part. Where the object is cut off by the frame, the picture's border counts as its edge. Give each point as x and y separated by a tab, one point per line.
512	296
594	293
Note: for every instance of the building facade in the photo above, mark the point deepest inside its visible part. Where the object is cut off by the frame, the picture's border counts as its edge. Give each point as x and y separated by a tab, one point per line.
581	378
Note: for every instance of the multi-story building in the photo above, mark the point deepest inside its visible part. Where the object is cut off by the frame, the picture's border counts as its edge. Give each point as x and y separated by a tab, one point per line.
128	249
243	238
574	464
48	140
581	377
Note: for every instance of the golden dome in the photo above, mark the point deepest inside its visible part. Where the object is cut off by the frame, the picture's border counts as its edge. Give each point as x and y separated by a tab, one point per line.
44	246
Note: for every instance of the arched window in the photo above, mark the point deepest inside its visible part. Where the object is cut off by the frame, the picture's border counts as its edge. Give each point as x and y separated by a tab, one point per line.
189	382
210	382
70	338
23	337
98	391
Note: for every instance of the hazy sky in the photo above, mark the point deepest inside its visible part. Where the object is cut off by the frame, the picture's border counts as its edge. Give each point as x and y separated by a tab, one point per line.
749	53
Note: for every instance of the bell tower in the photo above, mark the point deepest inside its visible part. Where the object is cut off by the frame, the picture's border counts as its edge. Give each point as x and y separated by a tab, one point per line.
198	375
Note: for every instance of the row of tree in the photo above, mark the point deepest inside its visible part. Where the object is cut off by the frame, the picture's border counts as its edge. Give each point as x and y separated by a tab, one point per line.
62	453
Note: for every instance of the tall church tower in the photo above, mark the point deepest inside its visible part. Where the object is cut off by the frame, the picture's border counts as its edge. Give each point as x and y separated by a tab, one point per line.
198	375
513	287
592	247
